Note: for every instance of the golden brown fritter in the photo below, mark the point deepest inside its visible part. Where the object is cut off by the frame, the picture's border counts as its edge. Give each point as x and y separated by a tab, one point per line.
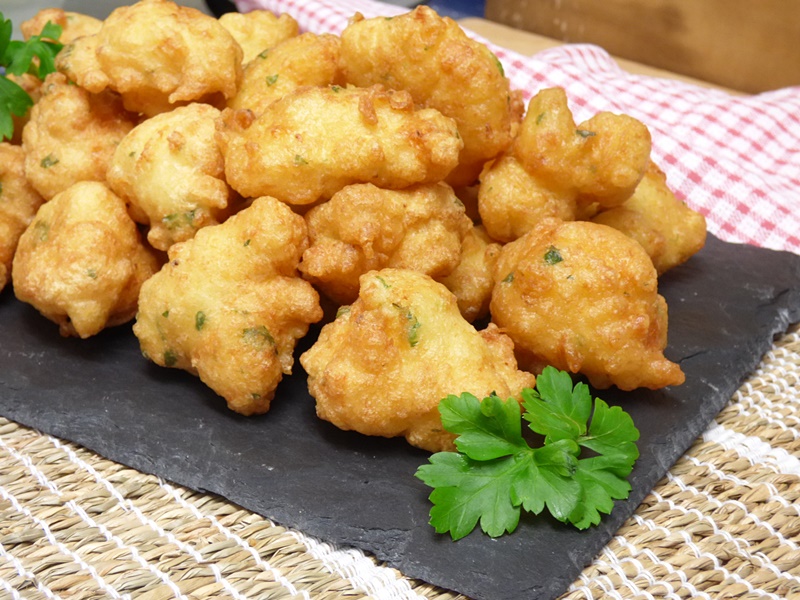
229	305
314	141
78	61
18	205
433	59
71	135
364	228
384	364
170	172
258	30
583	297
73	25
307	59
669	231
472	280
81	261
158	55
560	169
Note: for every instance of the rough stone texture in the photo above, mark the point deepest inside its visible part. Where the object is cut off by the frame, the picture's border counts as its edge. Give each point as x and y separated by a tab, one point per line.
725	306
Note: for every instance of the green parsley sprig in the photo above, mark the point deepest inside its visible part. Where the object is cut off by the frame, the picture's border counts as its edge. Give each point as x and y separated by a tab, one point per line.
589	450
16	58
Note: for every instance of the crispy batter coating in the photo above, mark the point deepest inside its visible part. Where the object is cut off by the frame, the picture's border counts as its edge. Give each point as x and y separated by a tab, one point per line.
258	30
159	55
511	201
81	261
78	61
472	280
365	228
432	58
229	305
314	141
73	25
669	231
560	169
170	171
71	135
308	59
18	205
384	364
583	297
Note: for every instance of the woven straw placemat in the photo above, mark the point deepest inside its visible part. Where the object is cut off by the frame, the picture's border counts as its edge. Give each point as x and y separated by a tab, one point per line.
724	523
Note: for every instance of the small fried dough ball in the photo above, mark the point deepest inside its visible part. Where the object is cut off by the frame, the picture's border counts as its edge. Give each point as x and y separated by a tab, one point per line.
229	305
472	280
159	55
308	59
170	171
314	141
71	135
73	25
511	201
258	30
667	229
559	169
18	205
583	297
81	261
384	364
78	61
433	59
365	228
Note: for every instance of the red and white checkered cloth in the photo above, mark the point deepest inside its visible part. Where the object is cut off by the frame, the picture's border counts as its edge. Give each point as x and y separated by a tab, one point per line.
736	159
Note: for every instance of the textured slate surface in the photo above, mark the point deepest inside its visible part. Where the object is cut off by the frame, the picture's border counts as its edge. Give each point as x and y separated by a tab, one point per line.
725	306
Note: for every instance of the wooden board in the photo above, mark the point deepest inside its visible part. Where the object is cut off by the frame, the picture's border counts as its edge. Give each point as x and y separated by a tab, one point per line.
741	44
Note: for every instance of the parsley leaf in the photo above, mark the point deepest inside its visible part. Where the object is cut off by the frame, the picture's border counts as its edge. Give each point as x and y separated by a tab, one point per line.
496	474
17	58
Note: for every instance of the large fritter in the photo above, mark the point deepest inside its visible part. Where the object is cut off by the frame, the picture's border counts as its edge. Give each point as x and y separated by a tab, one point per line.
229	305
384	364
314	141
441	67
584	298
81	261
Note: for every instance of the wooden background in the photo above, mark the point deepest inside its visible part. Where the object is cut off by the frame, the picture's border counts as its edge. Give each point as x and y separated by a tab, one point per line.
747	45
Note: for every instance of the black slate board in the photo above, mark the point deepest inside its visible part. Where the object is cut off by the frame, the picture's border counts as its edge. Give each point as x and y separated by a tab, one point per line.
725	304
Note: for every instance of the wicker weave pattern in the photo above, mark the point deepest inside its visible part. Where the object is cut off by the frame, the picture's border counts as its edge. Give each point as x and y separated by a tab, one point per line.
725	522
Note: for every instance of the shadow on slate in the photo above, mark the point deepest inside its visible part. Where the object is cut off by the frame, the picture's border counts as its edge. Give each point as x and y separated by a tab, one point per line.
726	304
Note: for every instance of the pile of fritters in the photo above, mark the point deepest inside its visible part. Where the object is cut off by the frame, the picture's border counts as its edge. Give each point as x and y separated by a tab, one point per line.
231	181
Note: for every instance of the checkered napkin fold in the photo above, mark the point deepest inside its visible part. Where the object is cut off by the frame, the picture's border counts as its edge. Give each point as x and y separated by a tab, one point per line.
736	159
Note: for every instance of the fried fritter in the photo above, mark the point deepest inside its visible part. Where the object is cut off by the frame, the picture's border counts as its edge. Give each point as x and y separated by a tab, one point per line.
432	58
170	171
78	61
258	30
364	228
511	201
18	205
314	141
71	135
583	297
472	280
81	261
307	59
229	305
669	231
73	25
384	364
159	55
559	169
